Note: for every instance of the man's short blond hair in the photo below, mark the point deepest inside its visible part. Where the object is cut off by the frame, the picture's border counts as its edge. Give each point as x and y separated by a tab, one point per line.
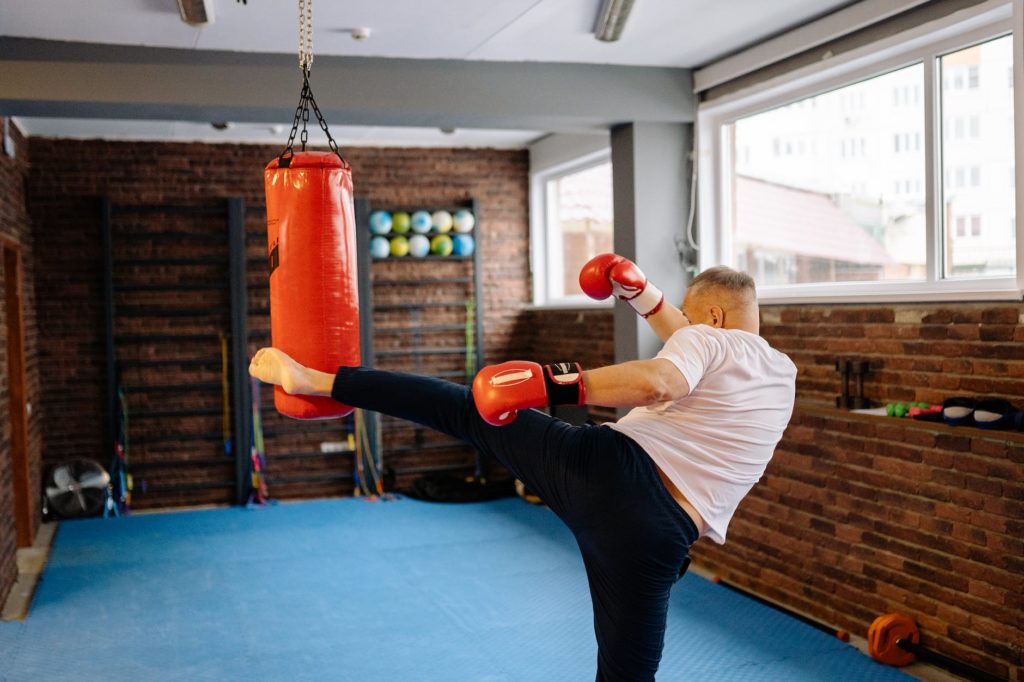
725	280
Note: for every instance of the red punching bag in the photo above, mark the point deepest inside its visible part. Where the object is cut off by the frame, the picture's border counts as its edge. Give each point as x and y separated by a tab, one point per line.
314	295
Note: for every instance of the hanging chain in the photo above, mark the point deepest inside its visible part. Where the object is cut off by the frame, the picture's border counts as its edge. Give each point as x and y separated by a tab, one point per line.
303	107
304	138
306	97
323	126
305	35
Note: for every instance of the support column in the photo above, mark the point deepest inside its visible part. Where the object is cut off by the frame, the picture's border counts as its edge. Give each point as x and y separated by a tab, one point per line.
651	188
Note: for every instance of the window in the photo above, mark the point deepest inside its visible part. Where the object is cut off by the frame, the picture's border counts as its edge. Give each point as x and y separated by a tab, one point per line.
868	219
576	217
989	153
798	223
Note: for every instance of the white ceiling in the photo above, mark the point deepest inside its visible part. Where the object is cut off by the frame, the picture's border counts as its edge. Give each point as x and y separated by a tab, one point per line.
666	33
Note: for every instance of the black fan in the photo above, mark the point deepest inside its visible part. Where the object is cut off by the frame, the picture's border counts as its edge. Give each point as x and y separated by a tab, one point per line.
77	488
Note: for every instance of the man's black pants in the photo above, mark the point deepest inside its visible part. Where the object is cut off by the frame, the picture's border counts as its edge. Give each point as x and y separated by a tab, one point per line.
634	537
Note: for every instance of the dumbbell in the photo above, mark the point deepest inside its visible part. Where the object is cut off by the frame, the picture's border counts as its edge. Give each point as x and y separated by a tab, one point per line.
894	639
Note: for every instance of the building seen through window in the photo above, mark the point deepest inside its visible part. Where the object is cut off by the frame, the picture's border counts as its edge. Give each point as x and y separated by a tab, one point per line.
579	224
833	188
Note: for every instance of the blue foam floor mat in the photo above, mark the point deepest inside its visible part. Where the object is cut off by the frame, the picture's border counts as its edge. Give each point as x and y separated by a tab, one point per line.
352	590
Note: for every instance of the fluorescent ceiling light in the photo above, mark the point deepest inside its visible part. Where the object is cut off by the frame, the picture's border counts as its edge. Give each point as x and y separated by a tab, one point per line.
612	19
196	12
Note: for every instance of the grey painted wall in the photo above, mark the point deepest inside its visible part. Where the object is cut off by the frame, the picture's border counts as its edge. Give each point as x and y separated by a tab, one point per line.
557	149
76	80
651	182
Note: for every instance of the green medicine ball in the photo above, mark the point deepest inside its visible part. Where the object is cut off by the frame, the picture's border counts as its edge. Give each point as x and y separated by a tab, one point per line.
399	246
401	222
441	245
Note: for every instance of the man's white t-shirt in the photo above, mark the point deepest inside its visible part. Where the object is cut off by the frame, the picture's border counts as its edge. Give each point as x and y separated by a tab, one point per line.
715	443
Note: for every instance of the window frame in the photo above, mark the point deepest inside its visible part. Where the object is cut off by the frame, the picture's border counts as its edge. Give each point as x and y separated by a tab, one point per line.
545	243
924	45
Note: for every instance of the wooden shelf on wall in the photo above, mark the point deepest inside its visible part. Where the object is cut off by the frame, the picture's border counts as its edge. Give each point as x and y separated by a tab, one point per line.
833	413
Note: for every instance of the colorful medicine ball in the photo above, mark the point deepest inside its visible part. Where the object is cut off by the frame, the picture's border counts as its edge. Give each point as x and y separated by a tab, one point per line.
419	245
380	247
380	222
462	245
421	222
442	221
399	246
400	222
464	220
441	245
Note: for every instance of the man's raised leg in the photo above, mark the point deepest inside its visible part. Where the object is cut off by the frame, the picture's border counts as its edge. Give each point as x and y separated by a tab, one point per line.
536	448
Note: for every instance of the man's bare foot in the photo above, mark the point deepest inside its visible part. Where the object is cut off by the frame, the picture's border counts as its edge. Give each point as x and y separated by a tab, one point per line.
273	366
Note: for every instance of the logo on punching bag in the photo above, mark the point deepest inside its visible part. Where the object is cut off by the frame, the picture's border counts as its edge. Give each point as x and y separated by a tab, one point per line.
274	259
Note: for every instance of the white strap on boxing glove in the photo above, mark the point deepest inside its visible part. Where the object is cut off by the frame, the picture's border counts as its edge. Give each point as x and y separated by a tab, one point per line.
646	302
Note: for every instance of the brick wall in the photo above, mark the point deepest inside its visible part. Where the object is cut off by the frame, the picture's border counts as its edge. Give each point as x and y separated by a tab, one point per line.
8	529
917	352
859	516
68	175
586	336
446	177
14	225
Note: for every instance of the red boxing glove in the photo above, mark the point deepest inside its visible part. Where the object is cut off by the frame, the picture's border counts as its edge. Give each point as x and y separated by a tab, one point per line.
594	276
500	391
609	274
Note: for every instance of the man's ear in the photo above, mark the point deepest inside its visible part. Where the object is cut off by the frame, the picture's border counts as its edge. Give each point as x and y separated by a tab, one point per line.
717	316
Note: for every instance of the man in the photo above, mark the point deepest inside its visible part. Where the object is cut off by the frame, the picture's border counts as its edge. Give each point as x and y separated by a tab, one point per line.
709	411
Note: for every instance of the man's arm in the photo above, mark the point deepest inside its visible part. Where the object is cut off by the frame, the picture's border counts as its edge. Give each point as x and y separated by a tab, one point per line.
635	383
667	321
501	391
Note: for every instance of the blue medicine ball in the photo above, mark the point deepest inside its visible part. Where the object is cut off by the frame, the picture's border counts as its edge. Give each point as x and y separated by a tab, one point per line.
380	247
380	222
462	245
421	222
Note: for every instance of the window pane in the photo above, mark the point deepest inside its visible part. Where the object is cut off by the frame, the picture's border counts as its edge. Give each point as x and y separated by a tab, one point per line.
978	160
850	209
583	206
